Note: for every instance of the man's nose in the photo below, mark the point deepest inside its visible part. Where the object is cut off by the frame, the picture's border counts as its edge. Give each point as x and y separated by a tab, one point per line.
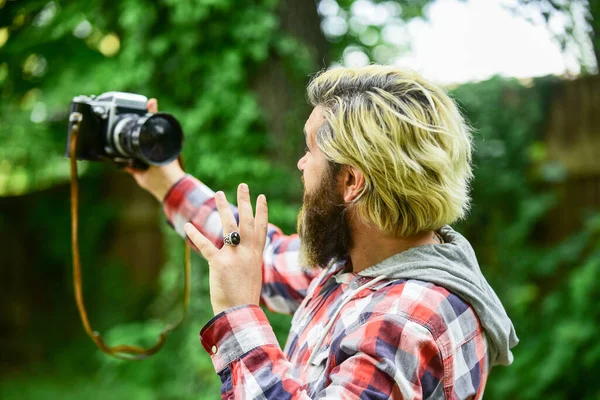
301	163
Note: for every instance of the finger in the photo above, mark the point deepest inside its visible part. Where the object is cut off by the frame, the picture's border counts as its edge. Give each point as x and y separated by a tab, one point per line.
132	171
261	224
227	218
207	249
152	105
245	210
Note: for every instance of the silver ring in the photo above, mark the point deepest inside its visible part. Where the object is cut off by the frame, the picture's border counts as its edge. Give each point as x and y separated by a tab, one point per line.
232	239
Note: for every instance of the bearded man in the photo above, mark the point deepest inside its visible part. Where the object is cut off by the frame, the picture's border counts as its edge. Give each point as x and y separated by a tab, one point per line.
388	300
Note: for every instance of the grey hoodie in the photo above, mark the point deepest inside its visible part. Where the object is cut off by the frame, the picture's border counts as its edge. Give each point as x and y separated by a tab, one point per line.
453	265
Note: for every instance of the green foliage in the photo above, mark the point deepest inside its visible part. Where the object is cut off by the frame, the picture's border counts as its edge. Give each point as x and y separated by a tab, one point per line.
375	29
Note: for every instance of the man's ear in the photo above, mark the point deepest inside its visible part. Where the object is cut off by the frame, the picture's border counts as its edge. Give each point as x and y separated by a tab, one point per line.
353	182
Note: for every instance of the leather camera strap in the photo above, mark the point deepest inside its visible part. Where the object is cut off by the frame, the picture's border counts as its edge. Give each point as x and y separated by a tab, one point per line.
123	351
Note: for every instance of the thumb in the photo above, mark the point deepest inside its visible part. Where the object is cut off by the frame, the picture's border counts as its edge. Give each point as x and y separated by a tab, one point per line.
152	105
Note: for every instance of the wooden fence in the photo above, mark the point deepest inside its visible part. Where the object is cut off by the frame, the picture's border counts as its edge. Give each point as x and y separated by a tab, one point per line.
572	137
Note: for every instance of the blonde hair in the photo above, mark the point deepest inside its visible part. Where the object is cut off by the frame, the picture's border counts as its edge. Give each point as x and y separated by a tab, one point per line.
408	138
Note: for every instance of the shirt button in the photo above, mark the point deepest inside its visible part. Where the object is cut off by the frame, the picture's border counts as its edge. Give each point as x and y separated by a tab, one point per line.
214	349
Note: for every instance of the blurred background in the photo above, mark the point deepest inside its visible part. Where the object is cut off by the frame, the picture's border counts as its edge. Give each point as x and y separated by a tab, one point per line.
234	72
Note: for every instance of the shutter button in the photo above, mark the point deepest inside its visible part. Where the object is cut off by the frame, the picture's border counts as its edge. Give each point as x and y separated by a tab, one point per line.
214	349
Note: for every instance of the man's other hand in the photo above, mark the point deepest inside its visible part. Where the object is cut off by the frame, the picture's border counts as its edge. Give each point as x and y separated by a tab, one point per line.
236	269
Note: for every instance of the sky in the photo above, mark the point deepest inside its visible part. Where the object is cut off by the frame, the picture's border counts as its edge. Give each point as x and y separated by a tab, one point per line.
472	40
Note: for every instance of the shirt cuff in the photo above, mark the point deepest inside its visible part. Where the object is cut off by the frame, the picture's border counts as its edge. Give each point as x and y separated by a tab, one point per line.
234	332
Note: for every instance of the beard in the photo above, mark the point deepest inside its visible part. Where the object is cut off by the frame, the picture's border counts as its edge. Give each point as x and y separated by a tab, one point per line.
323	224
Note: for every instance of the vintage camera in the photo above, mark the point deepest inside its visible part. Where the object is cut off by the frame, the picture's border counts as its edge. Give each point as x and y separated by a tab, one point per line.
117	126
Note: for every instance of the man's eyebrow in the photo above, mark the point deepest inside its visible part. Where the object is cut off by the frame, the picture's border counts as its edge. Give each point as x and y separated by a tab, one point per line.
305	135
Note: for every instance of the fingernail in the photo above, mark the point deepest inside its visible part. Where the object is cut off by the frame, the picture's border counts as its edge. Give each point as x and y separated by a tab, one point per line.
244	187
262	197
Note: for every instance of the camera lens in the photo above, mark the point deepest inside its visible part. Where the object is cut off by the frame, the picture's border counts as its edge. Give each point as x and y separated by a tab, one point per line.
160	139
156	139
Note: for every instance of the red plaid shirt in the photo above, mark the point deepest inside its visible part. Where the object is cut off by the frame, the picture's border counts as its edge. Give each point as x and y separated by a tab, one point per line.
397	338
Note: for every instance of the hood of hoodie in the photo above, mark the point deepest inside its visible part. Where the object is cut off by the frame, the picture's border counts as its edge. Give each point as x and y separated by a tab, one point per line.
453	265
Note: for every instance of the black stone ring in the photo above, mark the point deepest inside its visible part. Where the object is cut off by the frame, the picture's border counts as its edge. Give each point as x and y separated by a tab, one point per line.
232	239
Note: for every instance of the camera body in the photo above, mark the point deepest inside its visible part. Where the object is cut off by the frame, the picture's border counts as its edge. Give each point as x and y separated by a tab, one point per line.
116	126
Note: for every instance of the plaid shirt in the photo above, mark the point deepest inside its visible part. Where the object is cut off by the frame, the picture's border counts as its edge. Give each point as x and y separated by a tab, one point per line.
397	338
